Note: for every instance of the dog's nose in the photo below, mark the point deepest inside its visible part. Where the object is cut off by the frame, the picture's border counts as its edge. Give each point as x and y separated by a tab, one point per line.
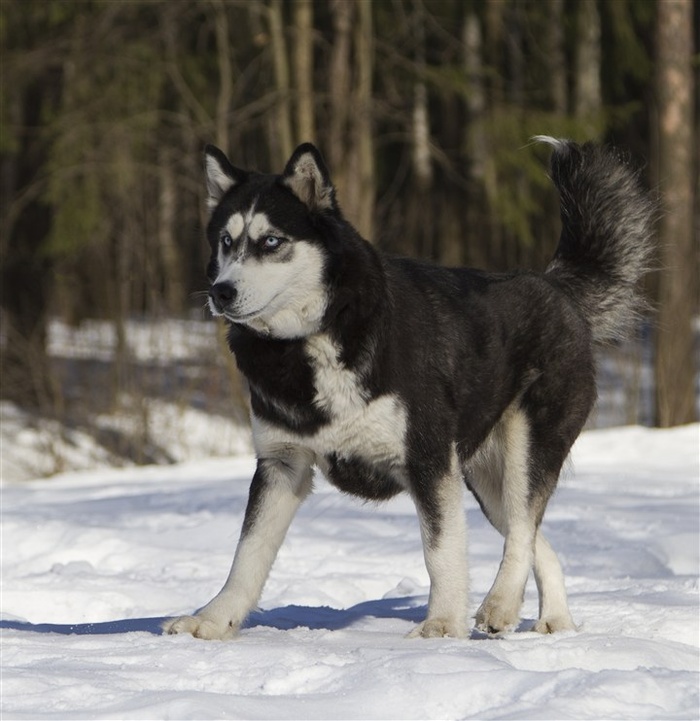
222	295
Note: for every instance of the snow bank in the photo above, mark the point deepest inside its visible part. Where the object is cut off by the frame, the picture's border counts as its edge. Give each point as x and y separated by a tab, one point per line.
93	560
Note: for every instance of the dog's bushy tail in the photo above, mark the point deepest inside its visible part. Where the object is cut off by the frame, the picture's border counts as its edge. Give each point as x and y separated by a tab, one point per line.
606	238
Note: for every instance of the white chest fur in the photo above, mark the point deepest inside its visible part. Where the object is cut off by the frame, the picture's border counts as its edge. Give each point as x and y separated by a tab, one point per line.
371	429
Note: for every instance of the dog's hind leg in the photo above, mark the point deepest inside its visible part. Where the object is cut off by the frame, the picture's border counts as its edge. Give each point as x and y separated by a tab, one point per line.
440	504
499	612
278	488
501	477
554	608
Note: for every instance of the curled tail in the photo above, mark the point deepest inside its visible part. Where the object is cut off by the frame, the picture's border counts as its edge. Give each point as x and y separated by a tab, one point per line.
606	237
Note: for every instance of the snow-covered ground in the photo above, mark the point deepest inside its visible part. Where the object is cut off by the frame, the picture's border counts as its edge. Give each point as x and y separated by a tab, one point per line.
173	421
93	560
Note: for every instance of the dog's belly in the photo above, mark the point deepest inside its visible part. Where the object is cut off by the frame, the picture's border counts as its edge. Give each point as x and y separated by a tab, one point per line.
361	452
372	481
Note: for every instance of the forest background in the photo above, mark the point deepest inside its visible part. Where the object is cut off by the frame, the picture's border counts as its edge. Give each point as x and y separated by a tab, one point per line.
424	110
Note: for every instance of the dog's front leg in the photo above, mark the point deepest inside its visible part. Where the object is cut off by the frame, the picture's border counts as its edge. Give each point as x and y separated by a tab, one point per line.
444	534
278	487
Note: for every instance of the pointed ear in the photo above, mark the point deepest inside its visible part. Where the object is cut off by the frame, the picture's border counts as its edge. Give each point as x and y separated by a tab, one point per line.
307	177
221	175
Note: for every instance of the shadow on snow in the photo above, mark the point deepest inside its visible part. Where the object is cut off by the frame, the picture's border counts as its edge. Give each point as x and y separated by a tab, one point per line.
284	619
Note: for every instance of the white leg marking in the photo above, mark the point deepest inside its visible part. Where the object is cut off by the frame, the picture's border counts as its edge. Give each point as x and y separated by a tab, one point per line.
446	561
286	487
501	608
554	608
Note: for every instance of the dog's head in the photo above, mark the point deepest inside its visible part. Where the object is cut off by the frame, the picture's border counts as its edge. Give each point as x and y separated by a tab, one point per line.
267	268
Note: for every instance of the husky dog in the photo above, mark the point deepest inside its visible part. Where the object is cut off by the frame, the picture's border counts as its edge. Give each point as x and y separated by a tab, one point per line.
395	375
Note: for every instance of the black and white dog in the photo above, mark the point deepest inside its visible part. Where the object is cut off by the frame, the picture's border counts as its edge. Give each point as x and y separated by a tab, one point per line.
394	375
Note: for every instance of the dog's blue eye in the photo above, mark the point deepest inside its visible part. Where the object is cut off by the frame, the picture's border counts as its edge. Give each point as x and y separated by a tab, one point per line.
271	242
226	240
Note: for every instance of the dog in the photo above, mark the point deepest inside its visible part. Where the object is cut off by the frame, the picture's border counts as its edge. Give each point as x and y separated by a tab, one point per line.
390	375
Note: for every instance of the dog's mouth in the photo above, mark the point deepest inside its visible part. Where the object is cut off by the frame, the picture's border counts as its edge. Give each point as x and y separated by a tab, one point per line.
230	315
240	317
244	318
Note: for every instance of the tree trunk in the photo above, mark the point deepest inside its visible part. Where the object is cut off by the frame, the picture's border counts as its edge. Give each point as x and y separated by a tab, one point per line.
587	89
340	98
283	143
304	70
557	56
515	29
363	133
420	126
494	14
26	269
475	135
675	364
167	235
225	94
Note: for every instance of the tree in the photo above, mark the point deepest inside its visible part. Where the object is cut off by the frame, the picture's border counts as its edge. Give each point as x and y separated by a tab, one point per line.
304	70
282	138
26	266
423	109
587	92
675	367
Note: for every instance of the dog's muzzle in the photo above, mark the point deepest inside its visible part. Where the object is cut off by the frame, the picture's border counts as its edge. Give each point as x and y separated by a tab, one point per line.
221	296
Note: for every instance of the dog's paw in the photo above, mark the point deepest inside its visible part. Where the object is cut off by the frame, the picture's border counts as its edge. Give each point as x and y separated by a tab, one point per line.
438	628
554	624
494	617
200	627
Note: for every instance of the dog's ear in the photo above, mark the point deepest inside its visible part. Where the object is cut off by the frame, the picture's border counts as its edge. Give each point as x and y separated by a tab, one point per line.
221	175
306	175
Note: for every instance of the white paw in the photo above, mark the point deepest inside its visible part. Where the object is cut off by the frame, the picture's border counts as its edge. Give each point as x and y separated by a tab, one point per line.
438	628
496	616
201	627
554	624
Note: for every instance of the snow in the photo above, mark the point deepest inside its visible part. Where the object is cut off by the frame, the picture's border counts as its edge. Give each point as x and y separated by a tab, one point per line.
32	447
160	342
93	560
179	425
